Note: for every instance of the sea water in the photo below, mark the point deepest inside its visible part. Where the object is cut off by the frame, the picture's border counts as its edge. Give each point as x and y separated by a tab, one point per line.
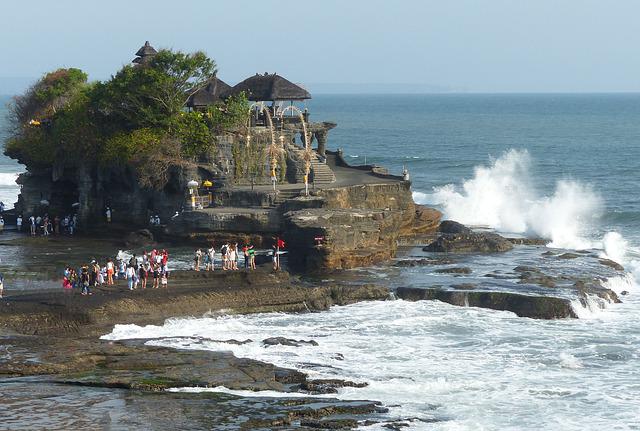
558	166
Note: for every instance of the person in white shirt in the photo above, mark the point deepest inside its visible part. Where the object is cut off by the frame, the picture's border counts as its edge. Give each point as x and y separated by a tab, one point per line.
19	223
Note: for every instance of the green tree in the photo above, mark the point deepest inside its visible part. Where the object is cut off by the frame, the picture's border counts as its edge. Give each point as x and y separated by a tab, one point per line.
153	94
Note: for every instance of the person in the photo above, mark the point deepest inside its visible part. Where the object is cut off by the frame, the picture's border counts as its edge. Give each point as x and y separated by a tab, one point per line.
155	267
85	281
122	269
66	280
73	278
45	225
278	244
142	275
1	285
232	258
94	273
245	253
164	260
164	281
19	222
152	220
252	257
157	220
131	272
110	271
1	223
133	261
211	253
107	213
196	260
56	225
73	224
223	251
32	223
1	206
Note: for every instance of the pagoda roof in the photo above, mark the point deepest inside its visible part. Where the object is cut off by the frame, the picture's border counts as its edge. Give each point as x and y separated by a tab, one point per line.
209	94
269	87
146	50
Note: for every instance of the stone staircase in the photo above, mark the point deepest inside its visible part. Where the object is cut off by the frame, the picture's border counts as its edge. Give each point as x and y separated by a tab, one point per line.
321	173
285	194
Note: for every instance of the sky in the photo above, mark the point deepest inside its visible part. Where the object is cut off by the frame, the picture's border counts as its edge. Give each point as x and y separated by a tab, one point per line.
485	46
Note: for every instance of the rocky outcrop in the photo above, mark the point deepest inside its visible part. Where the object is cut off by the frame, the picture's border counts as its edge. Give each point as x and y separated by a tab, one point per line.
536	307
355	226
457	238
189	293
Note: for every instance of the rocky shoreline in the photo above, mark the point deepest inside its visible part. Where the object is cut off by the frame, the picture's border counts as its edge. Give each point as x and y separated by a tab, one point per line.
55	336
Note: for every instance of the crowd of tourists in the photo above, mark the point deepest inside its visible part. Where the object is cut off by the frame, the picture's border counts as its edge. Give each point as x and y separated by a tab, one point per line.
46	225
136	270
230	254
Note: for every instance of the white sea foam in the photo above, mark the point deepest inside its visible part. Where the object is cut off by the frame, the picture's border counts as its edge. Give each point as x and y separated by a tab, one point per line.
245	393
567	360
501	196
8	179
433	360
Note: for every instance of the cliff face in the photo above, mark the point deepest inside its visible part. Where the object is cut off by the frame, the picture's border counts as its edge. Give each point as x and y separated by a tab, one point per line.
356	226
93	189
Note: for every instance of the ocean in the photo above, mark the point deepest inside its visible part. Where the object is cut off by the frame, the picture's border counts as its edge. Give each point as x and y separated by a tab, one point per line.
563	167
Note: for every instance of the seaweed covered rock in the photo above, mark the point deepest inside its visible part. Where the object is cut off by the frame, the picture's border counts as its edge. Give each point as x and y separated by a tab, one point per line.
536	307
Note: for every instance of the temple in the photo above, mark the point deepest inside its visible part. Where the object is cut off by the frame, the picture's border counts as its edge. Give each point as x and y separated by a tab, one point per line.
280	178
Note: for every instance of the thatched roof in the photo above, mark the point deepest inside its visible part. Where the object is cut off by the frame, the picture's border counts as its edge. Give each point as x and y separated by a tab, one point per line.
269	87
145	53
209	94
146	49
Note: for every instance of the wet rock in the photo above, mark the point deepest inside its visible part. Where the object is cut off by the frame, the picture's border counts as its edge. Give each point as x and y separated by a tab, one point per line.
423	262
453	227
328	386
624	293
396	426
537	307
548	253
611	264
528	241
330	424
568	256
139	238
594	287
525	268
464	286
469	243
274	341
457	238
456	270
532	275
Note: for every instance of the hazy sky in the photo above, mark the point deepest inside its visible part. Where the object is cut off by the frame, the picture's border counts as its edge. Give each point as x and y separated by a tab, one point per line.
465	45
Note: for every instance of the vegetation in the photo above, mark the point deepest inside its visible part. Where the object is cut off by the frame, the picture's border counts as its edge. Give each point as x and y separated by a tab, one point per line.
136	118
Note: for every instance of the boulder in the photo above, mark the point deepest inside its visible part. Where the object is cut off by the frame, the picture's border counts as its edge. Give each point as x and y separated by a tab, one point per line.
139	238
611	264
455	270
457	238
423	262
274	341
453	227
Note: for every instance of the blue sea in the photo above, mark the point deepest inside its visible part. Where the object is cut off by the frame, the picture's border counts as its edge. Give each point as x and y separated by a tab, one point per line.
563	167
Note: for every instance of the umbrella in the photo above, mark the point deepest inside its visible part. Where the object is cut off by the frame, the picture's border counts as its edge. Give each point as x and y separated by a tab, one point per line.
207	183
192	184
